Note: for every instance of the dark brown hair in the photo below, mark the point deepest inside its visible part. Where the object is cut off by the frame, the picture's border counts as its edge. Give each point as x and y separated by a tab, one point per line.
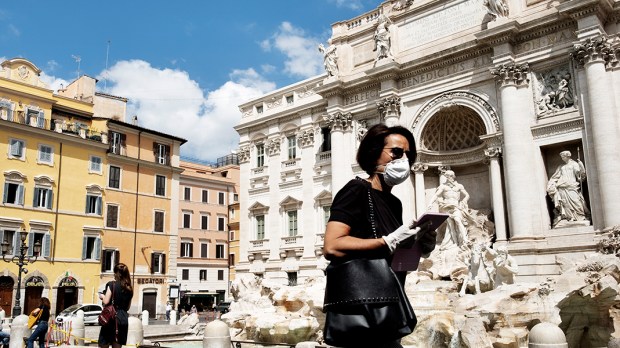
374	141
121	275
44	301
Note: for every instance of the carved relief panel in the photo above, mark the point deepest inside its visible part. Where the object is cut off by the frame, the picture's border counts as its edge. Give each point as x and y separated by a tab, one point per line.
554	91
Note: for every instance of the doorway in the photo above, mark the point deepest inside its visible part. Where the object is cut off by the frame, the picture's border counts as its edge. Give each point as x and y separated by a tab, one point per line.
67	296
149	303
6	294
32	299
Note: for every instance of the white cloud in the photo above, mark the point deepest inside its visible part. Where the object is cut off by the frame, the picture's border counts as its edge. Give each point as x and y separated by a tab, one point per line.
51	65
169	101
14	30
351	4
265	45
54	83
303	57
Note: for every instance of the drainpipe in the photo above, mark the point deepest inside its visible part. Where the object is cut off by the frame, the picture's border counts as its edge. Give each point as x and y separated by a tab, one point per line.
135	224
53	251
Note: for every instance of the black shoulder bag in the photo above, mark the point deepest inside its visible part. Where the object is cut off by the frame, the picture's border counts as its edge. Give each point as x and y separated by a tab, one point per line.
365	304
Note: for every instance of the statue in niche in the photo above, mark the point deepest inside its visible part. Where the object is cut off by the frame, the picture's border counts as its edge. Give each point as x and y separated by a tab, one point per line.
330	58
452	199
555	91
382	37
496	8
564	188
504	266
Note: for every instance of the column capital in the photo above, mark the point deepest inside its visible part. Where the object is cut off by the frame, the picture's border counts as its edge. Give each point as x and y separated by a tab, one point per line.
419	167
493	152
305	137
511	74
596	49
339	121
390	103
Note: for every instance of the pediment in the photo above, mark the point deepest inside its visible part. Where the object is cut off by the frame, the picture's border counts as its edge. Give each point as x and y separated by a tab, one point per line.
258	206
290	202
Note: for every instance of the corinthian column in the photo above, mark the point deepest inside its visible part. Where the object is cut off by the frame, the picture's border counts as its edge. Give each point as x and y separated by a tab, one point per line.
389	108
596	56
339	122
420	200
497	195
524	205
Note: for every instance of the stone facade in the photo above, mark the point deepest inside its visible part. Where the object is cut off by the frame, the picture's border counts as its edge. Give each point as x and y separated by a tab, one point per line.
493	96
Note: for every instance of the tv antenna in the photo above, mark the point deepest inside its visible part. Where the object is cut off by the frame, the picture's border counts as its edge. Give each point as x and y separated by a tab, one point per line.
77	59
107	54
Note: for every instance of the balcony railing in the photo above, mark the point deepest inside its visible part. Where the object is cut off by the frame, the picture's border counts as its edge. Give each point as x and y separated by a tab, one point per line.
292	241
259	244
324	157
58	126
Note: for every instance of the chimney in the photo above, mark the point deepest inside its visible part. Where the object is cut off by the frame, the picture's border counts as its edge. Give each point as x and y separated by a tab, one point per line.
134	120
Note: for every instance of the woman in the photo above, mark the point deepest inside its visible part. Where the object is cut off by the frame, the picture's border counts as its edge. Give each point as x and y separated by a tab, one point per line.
123	292
40	331
386	155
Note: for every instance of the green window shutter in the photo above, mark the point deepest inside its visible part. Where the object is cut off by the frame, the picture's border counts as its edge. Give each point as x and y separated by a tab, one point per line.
50	198
97	248
47	242
84	244
35	197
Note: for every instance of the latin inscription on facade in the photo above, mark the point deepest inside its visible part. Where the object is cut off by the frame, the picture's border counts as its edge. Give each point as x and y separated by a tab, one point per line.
428	76
567	35
447	20
359	97
151	281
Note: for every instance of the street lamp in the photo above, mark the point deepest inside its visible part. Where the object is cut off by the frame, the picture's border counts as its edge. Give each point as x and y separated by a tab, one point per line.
20	260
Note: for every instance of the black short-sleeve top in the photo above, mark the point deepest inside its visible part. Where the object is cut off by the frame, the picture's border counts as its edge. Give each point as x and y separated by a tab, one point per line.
351	207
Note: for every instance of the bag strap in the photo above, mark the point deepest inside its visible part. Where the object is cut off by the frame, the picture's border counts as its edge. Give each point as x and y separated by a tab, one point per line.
371	213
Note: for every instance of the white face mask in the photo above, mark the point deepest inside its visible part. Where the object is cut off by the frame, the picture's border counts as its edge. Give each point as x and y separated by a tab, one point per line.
396	171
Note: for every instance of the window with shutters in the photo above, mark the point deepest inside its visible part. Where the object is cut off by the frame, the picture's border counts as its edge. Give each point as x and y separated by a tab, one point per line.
231	259
42	198
35	117
6	110
221	198
205	196
187	220
159	221
17	149
221	223
326	214
220	274
110	259
158	263
45	155
185	274
118	142
8	236
13	193
204	222
292	222
44	239
204	250
93	204
219	251
160	185
187	249
162	153
114	179
91	247
95	165
231	236
111	220
203	274
187	194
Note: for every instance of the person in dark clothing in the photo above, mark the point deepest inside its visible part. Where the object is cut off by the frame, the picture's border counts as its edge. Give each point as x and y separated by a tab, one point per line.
115	332
42	324
386	154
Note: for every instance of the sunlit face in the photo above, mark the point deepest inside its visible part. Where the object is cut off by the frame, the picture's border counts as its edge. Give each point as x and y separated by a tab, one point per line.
392	141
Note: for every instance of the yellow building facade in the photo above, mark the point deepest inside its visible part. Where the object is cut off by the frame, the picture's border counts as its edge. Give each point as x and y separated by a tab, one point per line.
88	188
51	167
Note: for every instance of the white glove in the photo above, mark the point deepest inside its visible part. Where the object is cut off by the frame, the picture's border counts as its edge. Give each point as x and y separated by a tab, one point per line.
401	234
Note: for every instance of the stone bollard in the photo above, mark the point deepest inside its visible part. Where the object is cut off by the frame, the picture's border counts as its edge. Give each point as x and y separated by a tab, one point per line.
19	330
547	335
145	318
2	315
173	317
216	335
77	329
135	332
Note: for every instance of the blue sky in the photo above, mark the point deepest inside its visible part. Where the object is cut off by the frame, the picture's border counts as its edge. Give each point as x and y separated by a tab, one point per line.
184	65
